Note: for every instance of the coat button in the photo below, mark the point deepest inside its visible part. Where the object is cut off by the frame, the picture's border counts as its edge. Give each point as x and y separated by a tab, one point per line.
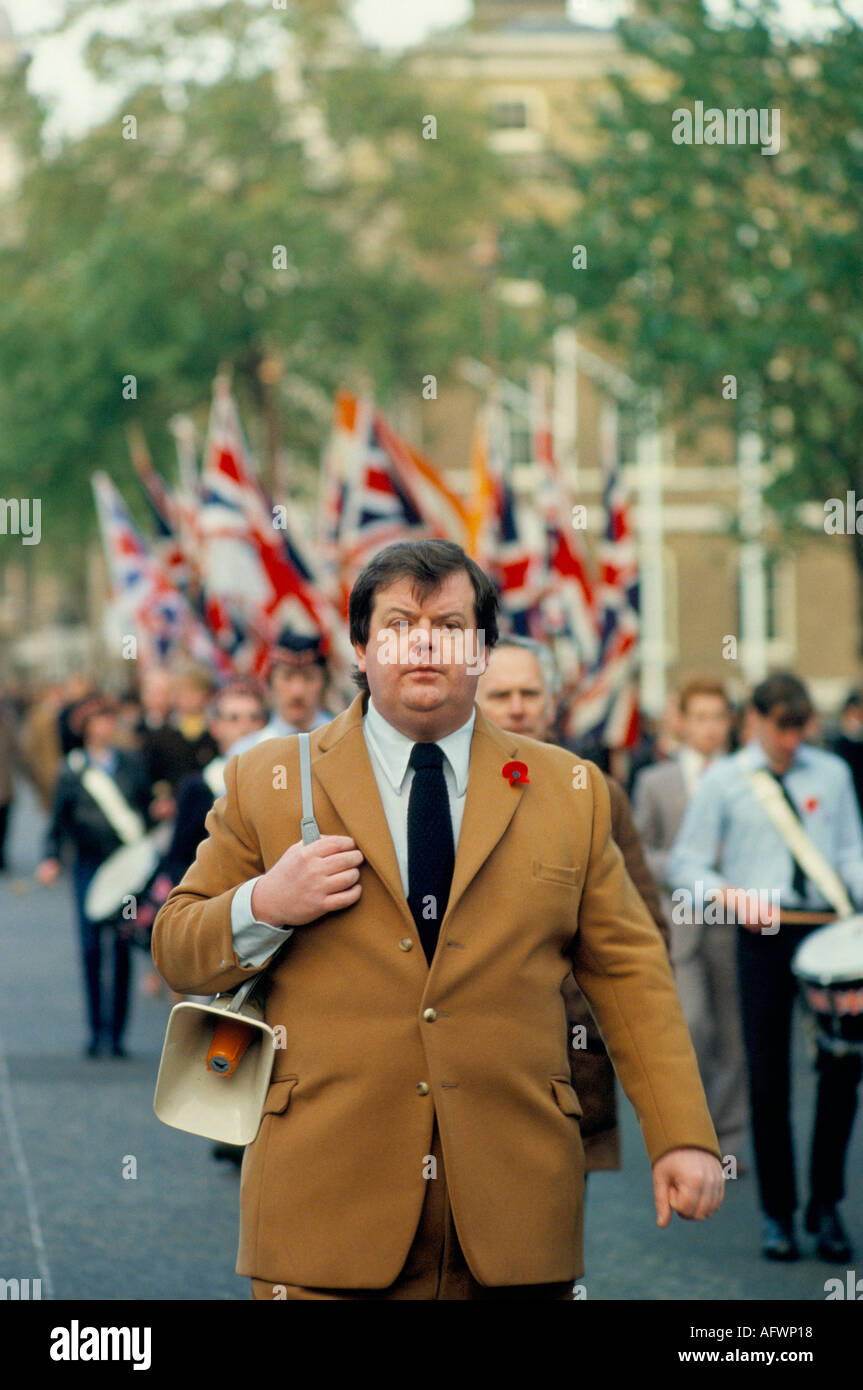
430	1015
422	1088
406	944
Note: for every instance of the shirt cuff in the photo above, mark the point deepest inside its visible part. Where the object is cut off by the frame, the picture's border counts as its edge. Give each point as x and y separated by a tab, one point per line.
254	942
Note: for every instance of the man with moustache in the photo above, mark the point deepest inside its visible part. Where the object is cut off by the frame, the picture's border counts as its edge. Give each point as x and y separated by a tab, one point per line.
420	1138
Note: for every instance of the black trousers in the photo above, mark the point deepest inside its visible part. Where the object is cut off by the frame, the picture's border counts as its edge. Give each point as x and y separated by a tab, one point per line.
767	993
91	937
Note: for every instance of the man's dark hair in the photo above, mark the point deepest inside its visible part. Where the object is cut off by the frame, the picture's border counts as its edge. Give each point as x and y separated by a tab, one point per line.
428	564
784	698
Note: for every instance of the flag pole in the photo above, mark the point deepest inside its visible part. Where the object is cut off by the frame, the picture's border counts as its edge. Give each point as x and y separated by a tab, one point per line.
651	551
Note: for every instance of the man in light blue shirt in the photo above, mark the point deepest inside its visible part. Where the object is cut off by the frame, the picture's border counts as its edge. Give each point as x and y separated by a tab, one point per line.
727	843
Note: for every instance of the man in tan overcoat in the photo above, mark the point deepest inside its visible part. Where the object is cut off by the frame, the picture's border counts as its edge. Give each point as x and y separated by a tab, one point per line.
516	692
420	1139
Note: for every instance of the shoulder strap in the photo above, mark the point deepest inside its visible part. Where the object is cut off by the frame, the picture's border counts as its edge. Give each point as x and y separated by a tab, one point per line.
309	832
308	825
769	795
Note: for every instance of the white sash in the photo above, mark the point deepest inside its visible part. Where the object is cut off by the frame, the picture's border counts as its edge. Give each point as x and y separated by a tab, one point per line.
214	776
122	818
768	793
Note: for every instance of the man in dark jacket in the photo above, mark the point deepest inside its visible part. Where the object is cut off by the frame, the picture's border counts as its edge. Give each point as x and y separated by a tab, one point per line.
102	801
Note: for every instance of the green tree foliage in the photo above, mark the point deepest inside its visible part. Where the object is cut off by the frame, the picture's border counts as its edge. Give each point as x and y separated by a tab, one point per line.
715	259
153	256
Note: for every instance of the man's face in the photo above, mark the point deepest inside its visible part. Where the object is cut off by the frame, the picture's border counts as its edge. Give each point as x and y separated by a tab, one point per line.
706	724
779	743
512	693
238	715
191	698
157	694
101	729
298	689
423	692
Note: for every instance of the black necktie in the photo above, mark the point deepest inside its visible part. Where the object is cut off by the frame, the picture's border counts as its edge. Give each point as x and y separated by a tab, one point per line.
798	882
431	855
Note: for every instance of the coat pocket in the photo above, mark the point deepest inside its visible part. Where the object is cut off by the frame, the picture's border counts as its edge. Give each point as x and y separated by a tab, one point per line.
566	1097
555	873
279	1096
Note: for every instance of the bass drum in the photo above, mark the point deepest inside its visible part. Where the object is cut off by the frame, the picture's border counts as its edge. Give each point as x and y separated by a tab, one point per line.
828	965
127	872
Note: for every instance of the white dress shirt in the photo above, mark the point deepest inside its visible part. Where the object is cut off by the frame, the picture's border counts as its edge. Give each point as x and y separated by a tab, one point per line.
389	753
692	765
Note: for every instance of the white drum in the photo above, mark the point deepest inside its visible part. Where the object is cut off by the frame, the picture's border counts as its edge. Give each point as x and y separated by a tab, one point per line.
129	870
829	969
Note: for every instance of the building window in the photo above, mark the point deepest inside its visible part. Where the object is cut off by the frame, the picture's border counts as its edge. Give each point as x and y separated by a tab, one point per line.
509	115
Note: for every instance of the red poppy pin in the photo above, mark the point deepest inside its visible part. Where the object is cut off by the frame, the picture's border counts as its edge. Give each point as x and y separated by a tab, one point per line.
515	772
811	804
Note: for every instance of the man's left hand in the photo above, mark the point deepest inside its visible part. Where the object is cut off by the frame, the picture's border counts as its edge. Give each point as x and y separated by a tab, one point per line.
688	1181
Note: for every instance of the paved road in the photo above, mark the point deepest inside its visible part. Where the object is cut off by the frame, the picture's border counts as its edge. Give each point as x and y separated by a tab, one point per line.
68	1128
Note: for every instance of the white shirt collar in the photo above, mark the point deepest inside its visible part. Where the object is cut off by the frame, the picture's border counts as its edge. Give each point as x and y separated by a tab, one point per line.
393	748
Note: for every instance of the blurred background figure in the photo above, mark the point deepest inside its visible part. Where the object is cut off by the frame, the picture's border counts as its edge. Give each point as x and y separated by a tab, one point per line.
236	710
174	736
702	954
297	681
40	742
10	759
516	692
846	741
75	688
728	842
101	802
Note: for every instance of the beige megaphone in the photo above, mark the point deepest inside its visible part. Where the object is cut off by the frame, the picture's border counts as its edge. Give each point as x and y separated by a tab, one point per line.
216	1066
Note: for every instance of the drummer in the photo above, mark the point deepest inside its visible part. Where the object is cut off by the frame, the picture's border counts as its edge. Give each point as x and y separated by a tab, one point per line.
101	801
728	842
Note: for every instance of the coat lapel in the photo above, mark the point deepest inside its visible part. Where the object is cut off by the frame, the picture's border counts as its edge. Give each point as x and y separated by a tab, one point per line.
344	770
489	807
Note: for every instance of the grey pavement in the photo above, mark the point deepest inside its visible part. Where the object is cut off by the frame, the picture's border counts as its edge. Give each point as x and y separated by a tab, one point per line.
69	1127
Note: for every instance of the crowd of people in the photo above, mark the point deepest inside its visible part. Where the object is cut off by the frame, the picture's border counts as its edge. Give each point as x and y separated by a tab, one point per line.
109	768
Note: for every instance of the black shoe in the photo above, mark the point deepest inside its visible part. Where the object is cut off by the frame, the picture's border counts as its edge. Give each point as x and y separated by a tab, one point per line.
833	1244
117	1050
92	1049
777	1241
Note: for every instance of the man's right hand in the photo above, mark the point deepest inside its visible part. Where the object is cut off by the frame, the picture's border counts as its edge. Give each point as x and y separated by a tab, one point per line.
308	881
755	917
48	871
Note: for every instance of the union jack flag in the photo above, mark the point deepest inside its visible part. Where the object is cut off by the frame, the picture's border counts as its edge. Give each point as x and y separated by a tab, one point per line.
252	562
499	542
378	489
569	607
606	707
153	608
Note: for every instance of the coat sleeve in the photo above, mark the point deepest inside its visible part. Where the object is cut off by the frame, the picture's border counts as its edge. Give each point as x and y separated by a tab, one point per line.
622	966
59	825
192	942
